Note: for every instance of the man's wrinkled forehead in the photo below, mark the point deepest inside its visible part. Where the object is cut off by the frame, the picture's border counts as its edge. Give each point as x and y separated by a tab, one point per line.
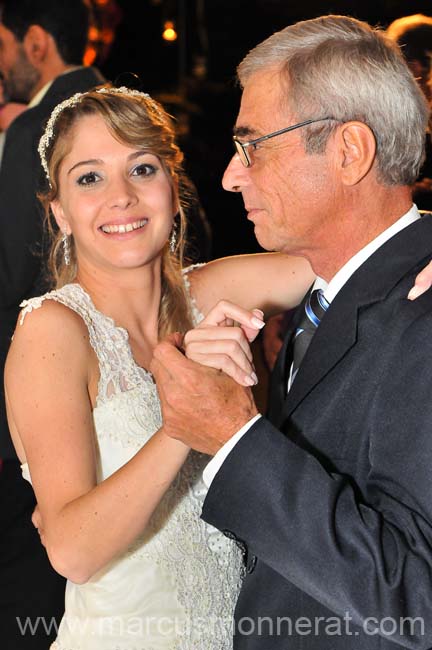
264	104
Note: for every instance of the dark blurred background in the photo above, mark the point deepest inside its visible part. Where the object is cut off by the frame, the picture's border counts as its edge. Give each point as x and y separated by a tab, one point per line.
194	75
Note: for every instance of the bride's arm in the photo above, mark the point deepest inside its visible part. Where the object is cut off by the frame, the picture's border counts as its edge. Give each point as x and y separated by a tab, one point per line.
46	378
272	282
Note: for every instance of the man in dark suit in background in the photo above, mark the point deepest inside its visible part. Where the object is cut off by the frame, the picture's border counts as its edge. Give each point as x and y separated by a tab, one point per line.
330	496
42	44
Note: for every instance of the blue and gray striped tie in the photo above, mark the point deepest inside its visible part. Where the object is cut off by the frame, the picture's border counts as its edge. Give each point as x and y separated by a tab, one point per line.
314	309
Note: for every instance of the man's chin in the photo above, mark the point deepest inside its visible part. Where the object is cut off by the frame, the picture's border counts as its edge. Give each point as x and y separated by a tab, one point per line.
265	242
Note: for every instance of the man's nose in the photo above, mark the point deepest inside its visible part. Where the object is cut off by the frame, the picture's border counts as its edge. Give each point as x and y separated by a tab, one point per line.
235	176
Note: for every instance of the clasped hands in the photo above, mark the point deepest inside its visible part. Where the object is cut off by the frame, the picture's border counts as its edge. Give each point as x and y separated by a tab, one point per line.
204	405
204	378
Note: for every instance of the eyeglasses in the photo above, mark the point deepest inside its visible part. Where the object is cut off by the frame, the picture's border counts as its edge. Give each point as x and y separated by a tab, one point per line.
242	147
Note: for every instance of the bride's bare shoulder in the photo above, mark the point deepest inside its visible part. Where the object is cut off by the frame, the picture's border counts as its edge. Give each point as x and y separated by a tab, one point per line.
47	327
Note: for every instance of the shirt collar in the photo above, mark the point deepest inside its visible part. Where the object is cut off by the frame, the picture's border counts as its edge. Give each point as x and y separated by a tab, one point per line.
332	288
43	91
40	95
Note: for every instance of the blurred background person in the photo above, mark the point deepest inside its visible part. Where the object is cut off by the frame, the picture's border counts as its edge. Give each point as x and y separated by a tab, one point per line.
42	45
9	110
414	36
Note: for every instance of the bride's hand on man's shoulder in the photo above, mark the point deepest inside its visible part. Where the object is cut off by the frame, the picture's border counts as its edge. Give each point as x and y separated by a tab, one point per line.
423	282
222	341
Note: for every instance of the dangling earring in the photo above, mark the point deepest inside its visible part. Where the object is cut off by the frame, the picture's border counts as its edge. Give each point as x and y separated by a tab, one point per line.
173	238
66	249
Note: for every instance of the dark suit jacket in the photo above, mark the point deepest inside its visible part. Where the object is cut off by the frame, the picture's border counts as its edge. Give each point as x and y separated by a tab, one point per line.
21	216
331	496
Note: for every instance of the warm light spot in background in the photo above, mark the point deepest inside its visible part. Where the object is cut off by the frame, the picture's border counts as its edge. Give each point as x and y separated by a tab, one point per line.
90	55
106	16
169	33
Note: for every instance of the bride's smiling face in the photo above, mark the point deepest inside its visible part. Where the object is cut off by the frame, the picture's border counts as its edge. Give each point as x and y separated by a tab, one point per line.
117	201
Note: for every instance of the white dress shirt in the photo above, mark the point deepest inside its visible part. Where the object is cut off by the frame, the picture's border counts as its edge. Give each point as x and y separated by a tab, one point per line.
330	289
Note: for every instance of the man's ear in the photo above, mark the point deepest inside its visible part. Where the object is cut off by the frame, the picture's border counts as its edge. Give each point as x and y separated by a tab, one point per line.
59	216
357	147
36	44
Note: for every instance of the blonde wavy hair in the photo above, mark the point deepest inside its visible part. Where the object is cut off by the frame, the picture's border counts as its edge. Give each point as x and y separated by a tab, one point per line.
138	121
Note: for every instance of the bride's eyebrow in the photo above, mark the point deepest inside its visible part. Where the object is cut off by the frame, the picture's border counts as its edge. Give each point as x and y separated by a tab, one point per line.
99	161
92	161
138	154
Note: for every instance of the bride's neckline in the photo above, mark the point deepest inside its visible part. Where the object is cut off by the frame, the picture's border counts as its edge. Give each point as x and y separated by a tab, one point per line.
122	330
109	319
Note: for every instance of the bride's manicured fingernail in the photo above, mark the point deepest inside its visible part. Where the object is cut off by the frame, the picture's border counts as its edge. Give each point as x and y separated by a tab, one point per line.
256	322
414	293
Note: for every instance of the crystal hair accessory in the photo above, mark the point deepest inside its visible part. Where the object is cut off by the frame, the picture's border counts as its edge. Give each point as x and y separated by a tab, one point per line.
73	101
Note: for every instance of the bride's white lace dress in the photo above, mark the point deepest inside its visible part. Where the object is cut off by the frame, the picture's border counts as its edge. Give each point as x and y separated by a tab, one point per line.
175	588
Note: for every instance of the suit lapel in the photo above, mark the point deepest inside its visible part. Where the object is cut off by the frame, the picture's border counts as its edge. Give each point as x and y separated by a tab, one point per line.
337	332
335	335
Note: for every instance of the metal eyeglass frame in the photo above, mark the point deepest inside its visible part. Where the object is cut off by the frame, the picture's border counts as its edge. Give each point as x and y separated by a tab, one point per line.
241	147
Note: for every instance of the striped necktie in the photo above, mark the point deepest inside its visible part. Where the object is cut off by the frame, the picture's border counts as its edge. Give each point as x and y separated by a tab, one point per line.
314	309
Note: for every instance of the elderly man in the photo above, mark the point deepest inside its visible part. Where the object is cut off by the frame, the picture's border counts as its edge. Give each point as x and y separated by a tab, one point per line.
330	496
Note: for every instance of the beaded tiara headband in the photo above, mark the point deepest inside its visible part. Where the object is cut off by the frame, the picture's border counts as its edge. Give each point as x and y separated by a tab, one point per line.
73	101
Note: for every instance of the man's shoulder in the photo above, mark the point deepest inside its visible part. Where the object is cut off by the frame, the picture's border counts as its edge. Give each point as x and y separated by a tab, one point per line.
24	123
67	84
397	260
376	295
403	257
395	315
20	146
63	87
410	244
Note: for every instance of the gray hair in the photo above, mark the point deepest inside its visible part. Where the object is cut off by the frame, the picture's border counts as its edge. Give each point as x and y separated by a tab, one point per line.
341	67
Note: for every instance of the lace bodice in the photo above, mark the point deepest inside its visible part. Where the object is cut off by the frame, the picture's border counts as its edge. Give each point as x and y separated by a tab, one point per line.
181	571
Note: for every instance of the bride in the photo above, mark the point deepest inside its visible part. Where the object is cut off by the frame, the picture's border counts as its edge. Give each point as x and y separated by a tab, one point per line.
119	500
